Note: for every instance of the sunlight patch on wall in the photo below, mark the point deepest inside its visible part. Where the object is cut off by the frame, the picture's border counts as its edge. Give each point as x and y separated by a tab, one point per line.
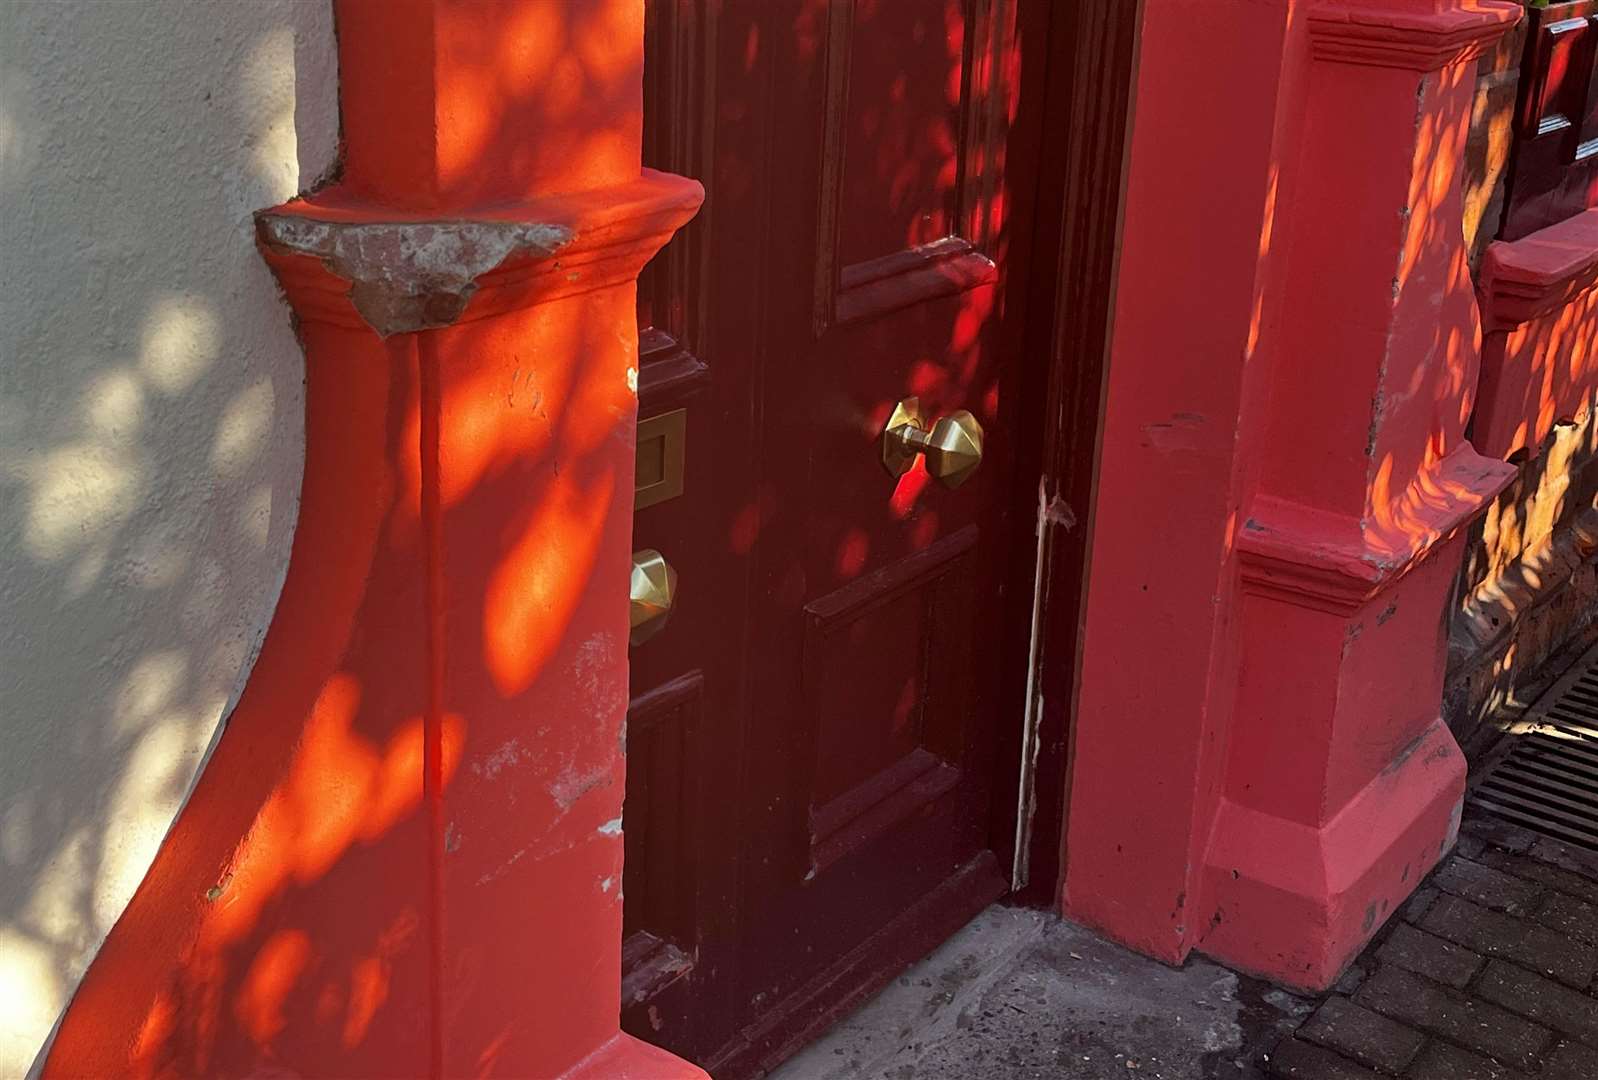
152	788
78	492
29	990
267	101
181	339
241	432
151	436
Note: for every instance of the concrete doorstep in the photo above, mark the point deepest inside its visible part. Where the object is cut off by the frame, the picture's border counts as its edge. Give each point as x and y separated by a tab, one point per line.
1023	995
1489	972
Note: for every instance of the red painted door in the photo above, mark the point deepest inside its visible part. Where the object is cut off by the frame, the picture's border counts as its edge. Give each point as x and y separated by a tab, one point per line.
816	788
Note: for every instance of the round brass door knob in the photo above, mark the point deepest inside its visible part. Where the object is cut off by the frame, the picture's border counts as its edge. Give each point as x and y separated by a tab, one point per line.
652	590
952	444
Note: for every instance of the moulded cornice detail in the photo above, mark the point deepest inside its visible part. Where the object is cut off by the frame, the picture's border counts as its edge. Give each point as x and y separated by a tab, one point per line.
354	264
1379	35
1336	562
1523	279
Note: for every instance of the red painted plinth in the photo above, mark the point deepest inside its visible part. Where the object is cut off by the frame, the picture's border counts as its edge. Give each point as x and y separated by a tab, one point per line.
1260	768
1539	297
404	857
1342	785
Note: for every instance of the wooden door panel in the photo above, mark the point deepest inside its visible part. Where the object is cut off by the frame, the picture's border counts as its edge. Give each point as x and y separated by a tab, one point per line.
886	690
683	723
871	776
682	688
899	134
663	726
913	132
663	839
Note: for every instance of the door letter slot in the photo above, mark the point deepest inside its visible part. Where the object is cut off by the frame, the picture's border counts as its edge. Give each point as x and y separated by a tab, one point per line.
662	451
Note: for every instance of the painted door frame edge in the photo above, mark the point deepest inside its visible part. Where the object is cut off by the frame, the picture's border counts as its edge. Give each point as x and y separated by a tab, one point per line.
1090	96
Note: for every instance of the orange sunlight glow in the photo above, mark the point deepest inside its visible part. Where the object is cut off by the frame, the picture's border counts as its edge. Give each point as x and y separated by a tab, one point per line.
533	592
338	790
277	967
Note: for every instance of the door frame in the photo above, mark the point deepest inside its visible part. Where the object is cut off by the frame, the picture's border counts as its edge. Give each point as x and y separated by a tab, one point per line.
1078	76
1090	72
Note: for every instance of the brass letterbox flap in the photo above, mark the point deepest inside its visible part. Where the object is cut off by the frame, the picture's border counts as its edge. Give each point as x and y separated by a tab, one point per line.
662	452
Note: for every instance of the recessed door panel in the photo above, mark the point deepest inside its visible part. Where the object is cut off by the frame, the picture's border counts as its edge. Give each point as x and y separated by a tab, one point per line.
901	128
914	125
886	690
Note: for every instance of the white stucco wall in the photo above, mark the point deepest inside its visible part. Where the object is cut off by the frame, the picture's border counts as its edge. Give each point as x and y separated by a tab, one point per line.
151	433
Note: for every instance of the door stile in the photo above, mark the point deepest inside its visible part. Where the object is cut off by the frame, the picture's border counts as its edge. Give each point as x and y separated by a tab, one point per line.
1089	55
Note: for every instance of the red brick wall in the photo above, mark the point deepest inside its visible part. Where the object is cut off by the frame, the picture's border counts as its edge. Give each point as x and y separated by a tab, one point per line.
1529	589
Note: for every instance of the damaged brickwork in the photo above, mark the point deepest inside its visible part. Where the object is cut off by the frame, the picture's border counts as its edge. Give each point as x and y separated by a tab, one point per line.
1529	588
409	276
1528	593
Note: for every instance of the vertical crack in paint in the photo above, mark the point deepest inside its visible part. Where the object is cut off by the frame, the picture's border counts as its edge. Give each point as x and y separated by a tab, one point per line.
1026	797
425	348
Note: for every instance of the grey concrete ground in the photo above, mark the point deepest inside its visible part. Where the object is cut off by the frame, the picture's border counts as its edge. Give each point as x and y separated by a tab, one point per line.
1020	995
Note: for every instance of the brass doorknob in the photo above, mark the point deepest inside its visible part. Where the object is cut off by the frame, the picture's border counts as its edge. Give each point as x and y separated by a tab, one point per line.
952	444
652	590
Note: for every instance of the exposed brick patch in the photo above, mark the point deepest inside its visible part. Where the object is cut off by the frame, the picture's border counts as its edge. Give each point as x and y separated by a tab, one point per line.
1494	934
1572	1061
1439	1061
1481	1026
1306	1061
1555	877
1488	887
1428	955
1576	919
1367	1037
1543	1000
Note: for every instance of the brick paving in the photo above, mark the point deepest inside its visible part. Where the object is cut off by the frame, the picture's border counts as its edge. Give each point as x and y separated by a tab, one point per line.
1490	972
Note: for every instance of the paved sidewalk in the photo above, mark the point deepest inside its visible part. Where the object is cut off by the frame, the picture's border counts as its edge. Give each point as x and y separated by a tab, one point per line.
1490	972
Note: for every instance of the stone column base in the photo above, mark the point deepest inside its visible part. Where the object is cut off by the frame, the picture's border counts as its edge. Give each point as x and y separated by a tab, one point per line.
1296	903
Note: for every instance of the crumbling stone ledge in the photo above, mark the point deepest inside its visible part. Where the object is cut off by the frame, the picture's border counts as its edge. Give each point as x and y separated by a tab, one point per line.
414	275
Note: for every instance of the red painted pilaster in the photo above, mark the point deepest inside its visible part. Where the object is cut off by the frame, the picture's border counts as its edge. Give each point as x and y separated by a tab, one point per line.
1343	784
1157	654
1309	417
404	857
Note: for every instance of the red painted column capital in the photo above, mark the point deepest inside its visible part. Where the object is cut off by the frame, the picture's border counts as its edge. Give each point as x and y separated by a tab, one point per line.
404	856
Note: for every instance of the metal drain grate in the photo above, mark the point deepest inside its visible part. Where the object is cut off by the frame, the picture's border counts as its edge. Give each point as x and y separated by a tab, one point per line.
1548	778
